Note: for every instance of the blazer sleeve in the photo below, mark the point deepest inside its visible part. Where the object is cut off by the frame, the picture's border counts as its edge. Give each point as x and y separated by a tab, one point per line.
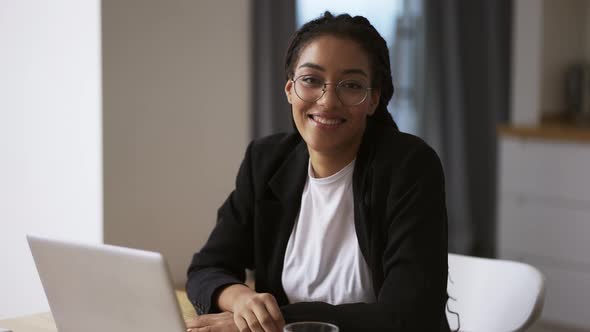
414	260
229	250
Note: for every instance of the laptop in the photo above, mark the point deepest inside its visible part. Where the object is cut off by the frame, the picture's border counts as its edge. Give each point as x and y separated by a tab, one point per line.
100	288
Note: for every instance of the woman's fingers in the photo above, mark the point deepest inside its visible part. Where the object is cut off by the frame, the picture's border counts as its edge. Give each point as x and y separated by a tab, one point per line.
202	329
275	312
255	321
221	322
259	313
265	319
201	321
192	323
241	323
259	317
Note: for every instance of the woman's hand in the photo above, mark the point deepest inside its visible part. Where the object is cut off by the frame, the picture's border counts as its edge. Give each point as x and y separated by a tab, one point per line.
252	312
221	322
258	313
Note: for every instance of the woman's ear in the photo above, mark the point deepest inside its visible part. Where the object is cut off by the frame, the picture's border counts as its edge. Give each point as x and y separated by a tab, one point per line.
289	90
374	97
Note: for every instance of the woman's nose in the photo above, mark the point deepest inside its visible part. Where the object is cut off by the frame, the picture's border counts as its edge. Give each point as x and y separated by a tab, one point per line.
330	96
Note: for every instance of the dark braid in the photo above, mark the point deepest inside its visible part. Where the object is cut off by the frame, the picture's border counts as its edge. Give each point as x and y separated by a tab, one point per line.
360	30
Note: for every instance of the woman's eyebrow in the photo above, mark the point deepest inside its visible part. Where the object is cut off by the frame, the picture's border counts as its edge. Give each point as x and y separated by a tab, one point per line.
320	68
355	71
312	66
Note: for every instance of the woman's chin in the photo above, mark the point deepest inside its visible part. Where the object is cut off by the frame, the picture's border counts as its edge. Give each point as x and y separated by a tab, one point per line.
329	143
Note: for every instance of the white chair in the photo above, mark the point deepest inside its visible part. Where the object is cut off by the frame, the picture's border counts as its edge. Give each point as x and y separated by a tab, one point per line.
492	295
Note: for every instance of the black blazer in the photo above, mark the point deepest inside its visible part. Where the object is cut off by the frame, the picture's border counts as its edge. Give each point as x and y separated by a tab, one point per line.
400	221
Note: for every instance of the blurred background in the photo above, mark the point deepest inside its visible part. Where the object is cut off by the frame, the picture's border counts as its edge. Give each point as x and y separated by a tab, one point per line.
124	122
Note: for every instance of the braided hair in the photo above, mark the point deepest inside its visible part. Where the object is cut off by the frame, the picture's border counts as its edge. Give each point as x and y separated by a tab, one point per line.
360	30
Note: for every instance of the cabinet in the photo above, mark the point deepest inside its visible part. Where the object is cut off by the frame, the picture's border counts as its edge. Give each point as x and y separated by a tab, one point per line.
544	218
544	172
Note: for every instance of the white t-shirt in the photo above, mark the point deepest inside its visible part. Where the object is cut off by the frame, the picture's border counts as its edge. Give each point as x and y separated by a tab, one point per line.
323	261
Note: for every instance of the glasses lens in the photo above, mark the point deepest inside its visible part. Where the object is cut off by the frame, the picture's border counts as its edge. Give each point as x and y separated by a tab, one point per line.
309	88
351	92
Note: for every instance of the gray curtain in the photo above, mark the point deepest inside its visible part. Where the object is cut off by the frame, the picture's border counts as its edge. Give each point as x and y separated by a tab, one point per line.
273	25
467	76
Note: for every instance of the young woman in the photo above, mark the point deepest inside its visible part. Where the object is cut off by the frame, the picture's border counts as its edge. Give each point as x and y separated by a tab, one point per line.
343	221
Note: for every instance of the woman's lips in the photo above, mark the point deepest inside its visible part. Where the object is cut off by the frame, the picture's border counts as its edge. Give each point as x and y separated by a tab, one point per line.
326	121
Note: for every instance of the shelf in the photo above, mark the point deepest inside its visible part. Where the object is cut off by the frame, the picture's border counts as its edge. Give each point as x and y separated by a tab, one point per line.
554	132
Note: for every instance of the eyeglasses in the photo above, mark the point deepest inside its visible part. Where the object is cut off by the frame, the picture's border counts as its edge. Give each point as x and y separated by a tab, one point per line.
310	89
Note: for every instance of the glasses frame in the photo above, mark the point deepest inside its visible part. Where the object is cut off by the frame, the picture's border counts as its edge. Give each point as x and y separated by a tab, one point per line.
325	88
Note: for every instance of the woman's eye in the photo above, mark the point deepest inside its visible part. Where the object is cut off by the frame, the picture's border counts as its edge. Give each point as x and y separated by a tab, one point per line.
352	85
311	81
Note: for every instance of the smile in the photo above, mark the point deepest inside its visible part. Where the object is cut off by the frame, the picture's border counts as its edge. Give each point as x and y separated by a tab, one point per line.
326	121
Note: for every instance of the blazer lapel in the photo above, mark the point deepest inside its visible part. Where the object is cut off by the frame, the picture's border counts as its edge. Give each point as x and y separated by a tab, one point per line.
362	192
279	211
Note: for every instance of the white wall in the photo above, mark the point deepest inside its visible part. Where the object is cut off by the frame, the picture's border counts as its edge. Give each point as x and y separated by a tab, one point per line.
50	140
176	120
527	45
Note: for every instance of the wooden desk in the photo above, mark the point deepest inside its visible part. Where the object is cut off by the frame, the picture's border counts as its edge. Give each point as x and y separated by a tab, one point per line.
44	322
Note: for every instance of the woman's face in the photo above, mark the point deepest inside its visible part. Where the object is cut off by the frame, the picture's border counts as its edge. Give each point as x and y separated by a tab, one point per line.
327	125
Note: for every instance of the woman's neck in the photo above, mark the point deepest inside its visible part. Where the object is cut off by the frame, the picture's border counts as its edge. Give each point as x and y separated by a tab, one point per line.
326	164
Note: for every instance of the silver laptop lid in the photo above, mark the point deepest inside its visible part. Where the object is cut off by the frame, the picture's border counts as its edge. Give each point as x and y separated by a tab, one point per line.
98	288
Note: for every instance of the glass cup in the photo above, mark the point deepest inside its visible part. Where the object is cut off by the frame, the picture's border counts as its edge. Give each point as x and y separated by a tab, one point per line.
310	327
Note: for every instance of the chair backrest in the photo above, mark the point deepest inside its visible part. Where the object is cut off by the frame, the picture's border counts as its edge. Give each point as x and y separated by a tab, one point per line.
492	294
